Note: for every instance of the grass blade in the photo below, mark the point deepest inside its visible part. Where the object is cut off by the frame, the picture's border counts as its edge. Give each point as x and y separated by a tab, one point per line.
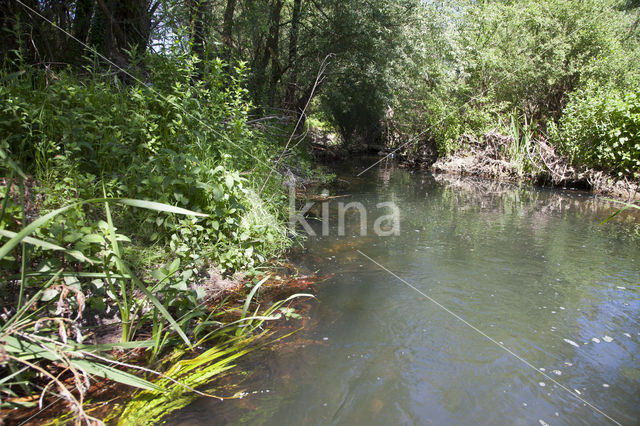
111	373
247	302
47	246
152	205
155	302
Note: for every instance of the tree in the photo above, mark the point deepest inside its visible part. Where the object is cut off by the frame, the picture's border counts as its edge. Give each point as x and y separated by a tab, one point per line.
227	29
293	54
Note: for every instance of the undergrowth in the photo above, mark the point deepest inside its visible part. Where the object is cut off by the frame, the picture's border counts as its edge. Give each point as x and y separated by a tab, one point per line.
117	196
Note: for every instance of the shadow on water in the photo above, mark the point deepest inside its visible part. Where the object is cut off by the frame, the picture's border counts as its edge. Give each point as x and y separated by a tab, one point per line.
530	267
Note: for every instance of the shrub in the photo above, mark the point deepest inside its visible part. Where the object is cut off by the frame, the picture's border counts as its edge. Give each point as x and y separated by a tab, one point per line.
179	141
600	128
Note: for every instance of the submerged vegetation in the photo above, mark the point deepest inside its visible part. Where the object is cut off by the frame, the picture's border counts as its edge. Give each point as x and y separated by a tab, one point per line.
147	148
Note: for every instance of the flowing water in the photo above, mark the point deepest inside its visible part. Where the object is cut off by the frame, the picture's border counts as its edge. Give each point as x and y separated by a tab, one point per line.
530	268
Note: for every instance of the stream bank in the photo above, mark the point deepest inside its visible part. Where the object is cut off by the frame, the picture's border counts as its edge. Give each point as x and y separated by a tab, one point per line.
491	156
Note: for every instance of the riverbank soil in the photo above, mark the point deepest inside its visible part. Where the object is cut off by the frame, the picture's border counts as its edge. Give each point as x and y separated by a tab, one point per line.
543	165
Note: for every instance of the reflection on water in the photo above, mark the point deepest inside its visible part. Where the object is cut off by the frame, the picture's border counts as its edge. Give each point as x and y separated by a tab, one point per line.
531	268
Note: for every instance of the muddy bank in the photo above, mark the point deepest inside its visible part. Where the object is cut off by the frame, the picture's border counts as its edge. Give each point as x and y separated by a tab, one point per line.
488	157
539	164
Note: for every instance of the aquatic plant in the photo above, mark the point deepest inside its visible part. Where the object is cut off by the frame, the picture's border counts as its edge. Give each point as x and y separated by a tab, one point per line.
35	335
183	382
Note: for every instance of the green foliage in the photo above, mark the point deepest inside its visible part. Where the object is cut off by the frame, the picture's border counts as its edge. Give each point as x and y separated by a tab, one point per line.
176	386
480	61
176	143
37	332
530	54
519	151
275	311
358	89
54	292
82	157
601	128
319	121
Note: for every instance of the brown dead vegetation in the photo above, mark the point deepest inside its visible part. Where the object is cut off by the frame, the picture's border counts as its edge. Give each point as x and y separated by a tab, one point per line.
487	158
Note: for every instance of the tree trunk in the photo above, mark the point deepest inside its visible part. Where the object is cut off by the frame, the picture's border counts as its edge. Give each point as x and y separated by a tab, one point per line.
82	19
227	30
25	32
198	27
293	54
264	83
273	46
81	25
122	27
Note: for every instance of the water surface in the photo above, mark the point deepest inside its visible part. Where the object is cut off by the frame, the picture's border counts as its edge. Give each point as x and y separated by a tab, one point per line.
531	268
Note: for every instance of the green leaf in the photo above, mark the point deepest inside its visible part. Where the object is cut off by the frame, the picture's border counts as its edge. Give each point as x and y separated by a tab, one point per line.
152	205
247	302
26	231
48	246
155	301
93	238
12	164
111	373
49	294
218	193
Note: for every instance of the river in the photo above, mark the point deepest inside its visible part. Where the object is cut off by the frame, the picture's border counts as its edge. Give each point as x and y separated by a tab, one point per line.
495	304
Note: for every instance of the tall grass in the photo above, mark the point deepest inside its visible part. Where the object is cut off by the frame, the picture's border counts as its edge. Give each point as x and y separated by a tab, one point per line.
522	136
34	333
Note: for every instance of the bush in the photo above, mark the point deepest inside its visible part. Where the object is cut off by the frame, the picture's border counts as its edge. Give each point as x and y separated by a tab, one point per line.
116	199
600	128
179	141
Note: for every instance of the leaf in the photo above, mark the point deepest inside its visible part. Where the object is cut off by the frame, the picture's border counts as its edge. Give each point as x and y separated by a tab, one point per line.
180	286
26	231
49	294
48	246
152	205
218	193
228	180
12	164
247	302
614	214
110	346
25	349
174	265
93	238
155	301
111	373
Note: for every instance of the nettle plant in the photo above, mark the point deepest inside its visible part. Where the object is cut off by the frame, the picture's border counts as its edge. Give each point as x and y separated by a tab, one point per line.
182	141
238	232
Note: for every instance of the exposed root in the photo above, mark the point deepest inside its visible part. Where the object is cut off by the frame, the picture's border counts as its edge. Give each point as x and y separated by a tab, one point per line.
488	158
